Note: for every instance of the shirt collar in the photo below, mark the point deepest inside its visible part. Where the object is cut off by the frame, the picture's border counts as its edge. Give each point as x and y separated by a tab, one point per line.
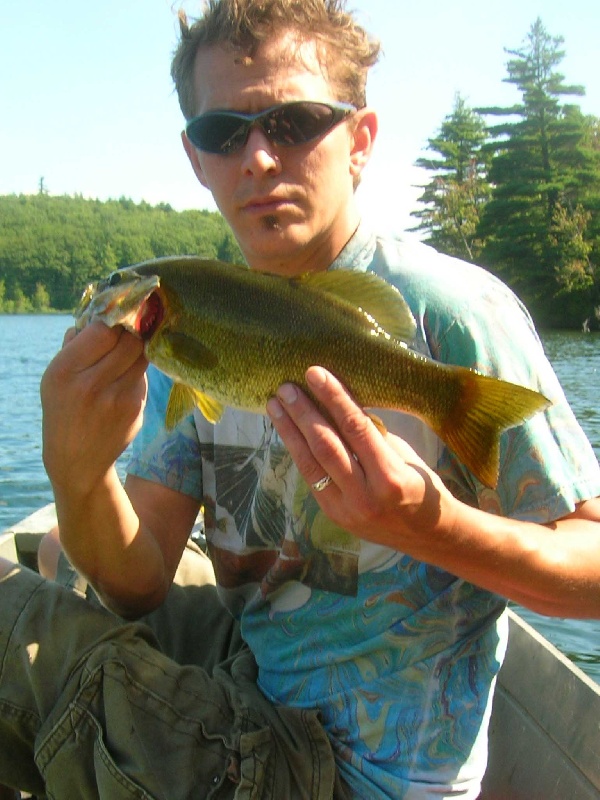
358	251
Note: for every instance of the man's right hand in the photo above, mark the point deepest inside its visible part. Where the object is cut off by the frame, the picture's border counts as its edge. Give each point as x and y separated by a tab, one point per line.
93	395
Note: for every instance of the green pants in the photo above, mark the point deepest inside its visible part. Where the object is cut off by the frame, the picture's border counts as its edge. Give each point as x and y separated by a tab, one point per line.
91	708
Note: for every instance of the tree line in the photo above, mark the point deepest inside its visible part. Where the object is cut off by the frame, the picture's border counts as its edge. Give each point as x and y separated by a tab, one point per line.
52	247
517	189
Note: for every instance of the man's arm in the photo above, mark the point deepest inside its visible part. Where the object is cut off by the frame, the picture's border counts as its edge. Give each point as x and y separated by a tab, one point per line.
126	541
382	491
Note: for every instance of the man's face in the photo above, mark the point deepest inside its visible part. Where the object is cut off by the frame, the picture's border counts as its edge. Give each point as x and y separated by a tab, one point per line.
292	209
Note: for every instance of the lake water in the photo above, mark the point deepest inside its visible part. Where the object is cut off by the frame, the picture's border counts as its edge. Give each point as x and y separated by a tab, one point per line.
27	343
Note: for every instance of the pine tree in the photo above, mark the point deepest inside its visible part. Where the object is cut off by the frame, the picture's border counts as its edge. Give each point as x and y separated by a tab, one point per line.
544	172
459	189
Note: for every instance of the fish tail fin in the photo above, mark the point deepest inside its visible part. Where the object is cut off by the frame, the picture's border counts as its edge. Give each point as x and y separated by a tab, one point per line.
486	407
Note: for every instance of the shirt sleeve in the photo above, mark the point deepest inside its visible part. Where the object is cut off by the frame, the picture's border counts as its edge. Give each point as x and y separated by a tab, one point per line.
547	464
171	458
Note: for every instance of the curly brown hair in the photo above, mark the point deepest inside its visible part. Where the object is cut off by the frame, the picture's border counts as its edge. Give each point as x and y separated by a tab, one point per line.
346	50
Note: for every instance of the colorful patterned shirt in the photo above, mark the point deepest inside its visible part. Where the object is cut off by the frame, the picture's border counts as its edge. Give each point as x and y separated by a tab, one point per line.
400	657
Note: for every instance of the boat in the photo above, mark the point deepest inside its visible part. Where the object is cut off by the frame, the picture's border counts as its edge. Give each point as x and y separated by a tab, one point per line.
545	724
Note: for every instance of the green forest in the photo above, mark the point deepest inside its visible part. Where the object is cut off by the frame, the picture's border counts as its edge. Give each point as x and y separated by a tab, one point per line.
52	247
516	190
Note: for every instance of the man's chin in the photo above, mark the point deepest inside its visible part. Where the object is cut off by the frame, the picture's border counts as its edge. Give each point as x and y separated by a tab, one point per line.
270	222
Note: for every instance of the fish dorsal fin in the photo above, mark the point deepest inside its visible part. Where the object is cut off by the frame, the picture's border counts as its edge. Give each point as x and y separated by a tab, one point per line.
184	399
381	302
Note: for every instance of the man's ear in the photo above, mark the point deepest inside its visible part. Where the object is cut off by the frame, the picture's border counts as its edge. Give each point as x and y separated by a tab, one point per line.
192	154
365	133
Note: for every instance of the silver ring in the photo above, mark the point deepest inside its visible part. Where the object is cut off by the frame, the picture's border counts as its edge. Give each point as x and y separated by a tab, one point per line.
319	485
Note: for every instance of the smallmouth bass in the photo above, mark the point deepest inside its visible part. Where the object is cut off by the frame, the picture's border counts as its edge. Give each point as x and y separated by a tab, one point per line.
230	336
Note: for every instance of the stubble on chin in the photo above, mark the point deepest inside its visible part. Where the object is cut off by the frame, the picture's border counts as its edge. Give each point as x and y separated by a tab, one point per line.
270	222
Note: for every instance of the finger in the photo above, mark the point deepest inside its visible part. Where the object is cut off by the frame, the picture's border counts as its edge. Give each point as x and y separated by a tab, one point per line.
356	428
133	383
70	334
127	360
312	441
313	473
85	348
111	351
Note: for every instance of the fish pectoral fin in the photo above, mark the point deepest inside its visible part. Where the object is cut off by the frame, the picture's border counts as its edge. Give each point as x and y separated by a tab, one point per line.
184	399
381	302
189	350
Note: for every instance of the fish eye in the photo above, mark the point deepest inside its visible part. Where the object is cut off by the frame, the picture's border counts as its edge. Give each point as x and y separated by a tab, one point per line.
114	279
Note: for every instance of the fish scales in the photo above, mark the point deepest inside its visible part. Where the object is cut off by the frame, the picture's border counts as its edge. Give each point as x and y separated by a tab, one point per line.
270	332
228	335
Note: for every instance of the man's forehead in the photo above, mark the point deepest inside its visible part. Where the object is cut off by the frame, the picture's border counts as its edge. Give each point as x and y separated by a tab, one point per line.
284	49
222	71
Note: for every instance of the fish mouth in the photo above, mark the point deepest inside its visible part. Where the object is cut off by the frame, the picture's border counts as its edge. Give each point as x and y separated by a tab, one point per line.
127	299
150	316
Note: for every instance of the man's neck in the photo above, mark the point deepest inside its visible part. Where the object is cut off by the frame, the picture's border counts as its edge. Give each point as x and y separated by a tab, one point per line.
315	256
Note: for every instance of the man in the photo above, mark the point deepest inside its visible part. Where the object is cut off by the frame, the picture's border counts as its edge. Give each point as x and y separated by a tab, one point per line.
368	572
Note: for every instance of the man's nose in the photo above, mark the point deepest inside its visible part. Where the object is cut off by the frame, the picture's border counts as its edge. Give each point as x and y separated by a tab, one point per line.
260	153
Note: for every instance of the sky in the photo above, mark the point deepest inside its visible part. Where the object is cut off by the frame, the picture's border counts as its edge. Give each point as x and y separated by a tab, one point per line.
87	103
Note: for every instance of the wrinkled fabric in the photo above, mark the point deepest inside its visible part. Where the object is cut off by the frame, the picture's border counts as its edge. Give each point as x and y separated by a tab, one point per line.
90	708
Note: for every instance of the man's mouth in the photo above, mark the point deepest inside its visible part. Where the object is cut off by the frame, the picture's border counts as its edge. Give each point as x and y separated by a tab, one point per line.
266	205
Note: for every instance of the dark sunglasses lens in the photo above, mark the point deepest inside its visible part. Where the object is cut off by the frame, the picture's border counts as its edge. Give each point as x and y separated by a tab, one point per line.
287	124
218	133
298	123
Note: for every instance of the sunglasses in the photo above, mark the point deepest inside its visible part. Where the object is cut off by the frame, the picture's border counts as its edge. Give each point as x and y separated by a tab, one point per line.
287	124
